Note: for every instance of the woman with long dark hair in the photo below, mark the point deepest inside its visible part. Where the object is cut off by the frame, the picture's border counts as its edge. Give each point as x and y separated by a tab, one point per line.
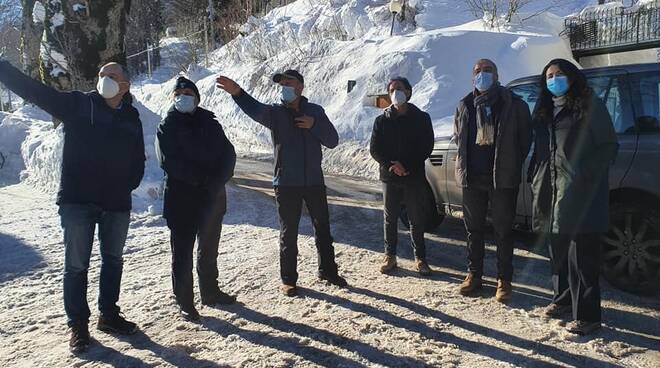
575	143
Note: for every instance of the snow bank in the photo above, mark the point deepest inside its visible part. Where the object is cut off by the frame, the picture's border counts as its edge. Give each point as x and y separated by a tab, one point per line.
16	133
337	41
330	42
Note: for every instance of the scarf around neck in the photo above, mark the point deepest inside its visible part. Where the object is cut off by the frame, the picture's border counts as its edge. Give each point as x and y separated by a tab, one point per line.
483	103
559	103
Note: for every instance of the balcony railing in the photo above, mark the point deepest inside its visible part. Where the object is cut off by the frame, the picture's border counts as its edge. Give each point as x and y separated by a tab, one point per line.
614	30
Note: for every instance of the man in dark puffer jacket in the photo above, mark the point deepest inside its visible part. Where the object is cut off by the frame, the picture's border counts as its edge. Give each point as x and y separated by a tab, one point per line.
102	162
198	160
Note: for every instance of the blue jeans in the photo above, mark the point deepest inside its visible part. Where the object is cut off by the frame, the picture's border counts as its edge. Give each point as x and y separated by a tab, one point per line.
79	223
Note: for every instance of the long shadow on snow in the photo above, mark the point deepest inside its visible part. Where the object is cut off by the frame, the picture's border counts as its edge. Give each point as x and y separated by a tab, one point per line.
105	354
477	348
362	227
175	357
18	258
367	351
285	344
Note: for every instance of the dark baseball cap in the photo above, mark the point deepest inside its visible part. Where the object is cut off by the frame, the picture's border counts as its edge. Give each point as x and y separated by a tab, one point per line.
289	74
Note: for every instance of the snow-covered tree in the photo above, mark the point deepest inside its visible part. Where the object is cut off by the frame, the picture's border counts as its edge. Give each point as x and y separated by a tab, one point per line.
78	37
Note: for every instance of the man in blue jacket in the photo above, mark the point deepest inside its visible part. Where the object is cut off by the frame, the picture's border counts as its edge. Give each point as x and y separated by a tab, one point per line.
298	129
103	161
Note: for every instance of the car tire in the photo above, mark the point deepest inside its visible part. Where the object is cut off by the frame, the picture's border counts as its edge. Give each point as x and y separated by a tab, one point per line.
631	248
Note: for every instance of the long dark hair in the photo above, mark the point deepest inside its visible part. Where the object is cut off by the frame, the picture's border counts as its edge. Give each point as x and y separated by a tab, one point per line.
577	97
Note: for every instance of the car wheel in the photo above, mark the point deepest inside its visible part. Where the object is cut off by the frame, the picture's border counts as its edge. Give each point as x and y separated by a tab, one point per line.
631	248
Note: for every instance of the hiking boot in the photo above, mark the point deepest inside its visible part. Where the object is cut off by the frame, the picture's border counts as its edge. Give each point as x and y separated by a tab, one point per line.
116	324
219	298
582	328
470	284
335	280
504	291
190	314
557	310
79	340
389	264
289	290
423	268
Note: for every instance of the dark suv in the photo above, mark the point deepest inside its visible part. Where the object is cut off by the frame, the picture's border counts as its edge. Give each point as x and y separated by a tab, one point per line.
631	248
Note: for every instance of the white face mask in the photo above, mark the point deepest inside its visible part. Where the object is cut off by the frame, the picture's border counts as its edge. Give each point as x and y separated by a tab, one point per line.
184	103
107	87
398	97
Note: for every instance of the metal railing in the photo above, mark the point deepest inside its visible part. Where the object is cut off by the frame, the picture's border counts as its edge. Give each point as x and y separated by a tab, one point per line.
614	30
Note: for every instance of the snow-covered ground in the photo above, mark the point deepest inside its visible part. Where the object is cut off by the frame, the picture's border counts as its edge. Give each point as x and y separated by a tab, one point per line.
402	320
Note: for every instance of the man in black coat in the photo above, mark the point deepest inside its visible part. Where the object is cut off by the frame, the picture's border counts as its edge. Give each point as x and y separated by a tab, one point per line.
493	131
198	160
402	139
103	161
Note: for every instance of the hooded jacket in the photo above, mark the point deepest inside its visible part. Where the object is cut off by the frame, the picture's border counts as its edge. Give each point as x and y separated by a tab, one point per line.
297	151
103	156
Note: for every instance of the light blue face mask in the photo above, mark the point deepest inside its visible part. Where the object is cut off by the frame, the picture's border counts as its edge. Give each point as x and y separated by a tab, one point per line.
483	81
184	103
558	85
287	94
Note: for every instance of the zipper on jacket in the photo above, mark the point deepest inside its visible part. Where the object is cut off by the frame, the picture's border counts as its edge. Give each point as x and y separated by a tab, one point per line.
553	145
304	157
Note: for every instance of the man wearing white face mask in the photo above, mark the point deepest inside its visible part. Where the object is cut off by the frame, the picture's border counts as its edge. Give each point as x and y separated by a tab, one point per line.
492	127
198	160
298	128
402	139
102	162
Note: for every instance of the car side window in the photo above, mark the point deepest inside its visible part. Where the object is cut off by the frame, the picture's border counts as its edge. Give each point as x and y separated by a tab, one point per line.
611	89
646	92
529	93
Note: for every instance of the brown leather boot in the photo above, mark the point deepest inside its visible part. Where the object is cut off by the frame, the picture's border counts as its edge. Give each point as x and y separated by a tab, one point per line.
389	264
289	290
470	284
423	268
504	291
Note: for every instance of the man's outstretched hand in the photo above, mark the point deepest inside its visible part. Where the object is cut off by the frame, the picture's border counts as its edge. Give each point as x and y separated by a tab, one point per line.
228	85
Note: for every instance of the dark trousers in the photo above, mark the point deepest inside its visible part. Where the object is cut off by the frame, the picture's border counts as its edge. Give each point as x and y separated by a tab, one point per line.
476	198
79	223
207	231
412	194
575	271
289	206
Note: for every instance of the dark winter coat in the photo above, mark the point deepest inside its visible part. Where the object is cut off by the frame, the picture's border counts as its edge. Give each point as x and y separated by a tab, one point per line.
297	151
512	141
407	138
198	160
570	169
103	156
